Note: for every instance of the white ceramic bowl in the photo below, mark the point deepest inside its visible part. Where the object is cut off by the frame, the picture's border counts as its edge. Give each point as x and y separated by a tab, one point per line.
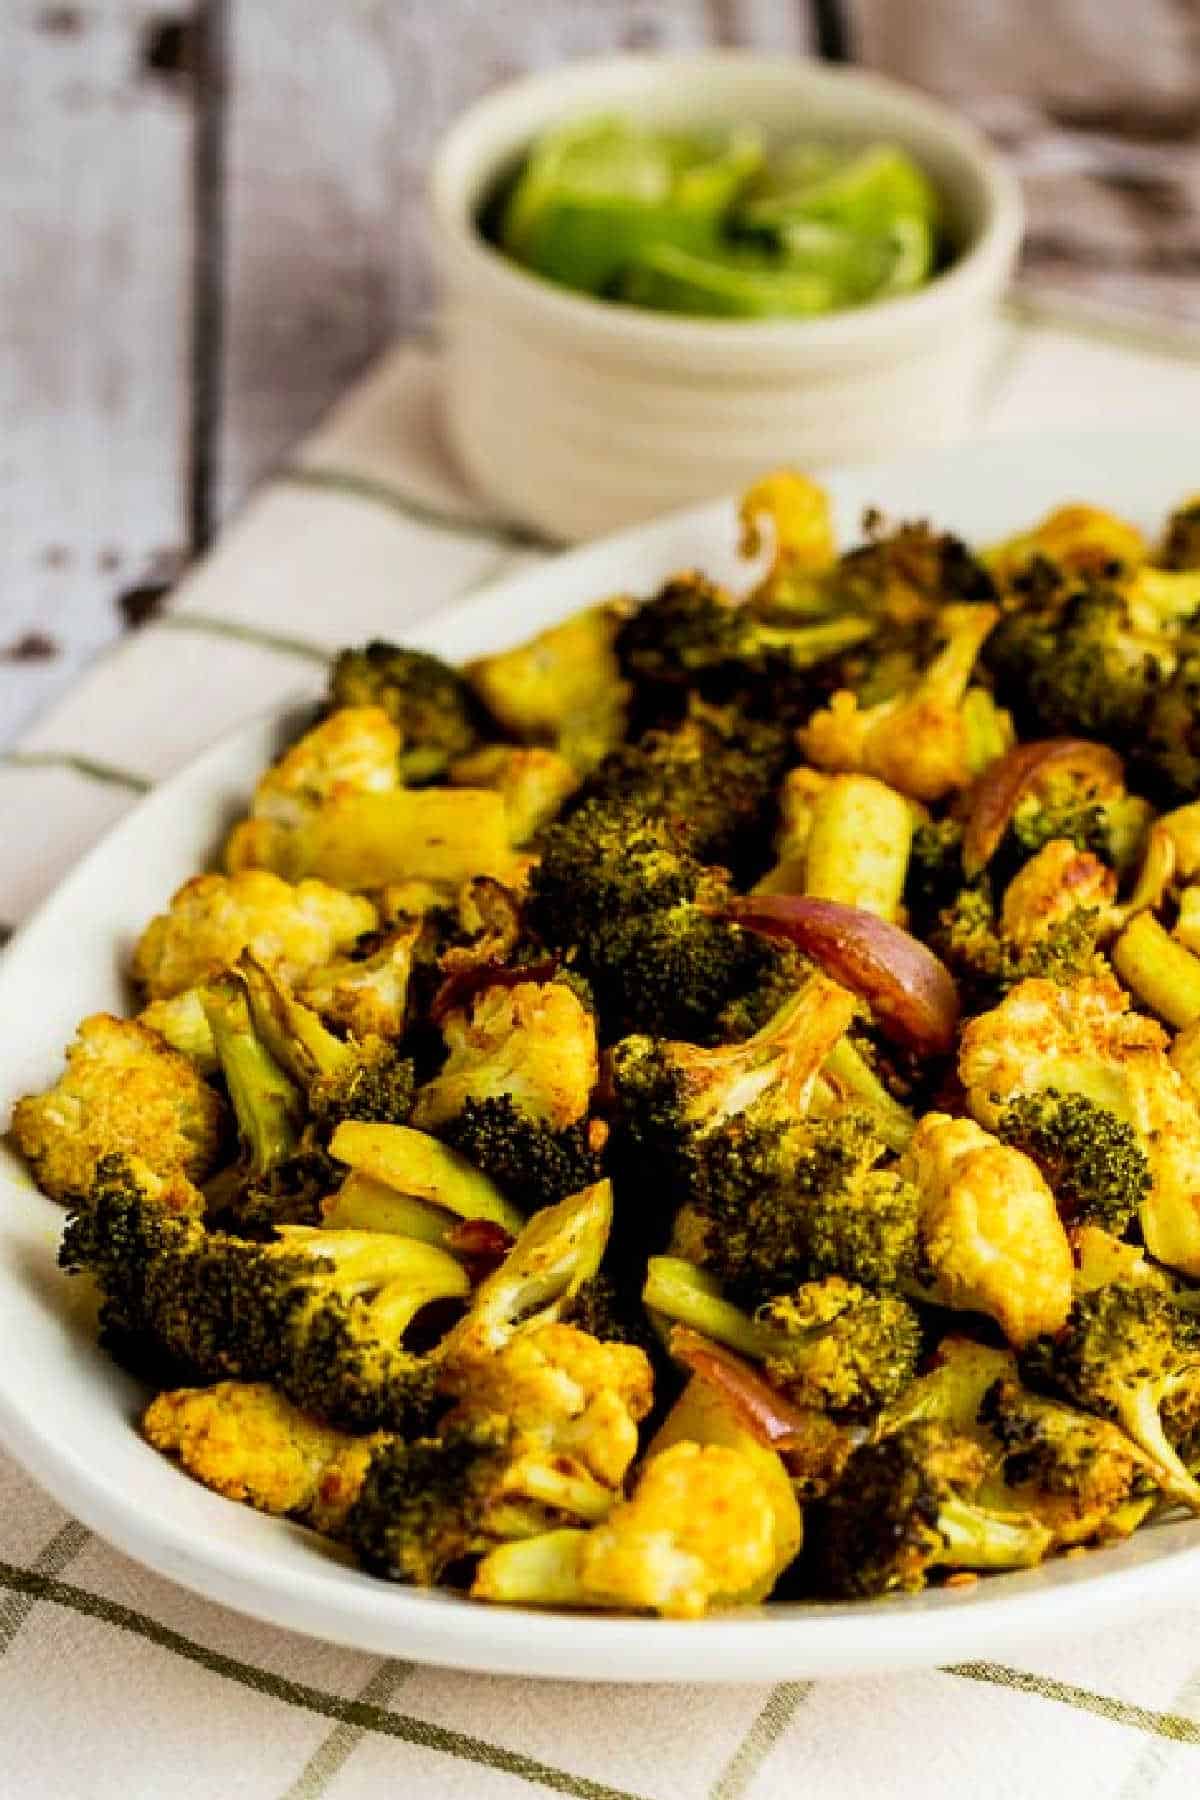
70	1415
578	416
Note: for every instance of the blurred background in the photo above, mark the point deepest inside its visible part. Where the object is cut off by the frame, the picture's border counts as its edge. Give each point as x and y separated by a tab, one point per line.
213	220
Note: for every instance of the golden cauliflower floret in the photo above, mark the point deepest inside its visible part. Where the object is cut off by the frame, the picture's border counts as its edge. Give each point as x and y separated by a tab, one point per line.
698	1527
532	781
245	1441
535	1042
801	524
366	995
1051	886
928	741
563	687
584	1398
991	1236
126	1090
213	918
355	750
1085	1040
183	1022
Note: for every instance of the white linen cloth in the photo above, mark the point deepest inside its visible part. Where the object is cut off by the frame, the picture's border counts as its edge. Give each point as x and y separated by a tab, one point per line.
115	1683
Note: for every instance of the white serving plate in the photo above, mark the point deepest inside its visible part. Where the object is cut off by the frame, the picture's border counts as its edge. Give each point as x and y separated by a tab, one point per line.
69	1416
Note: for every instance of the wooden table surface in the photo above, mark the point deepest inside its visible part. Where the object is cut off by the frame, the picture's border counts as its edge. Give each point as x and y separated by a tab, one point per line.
213	221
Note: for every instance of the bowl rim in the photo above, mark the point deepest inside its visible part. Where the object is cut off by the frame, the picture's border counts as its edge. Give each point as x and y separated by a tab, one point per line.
461	165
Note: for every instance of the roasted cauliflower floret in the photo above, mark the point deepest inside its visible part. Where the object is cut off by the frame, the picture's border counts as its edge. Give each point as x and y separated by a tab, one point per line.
183	1022
991	1238
366	994
535	1042
698	1528
245	1441
1050	887
532	781
1082	540
355	750
583	1398
124	1089
213	918
562	688
929	740
1085	1040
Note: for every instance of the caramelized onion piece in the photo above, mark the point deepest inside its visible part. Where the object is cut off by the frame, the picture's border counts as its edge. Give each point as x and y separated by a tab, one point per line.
1003	785
481	1245
766	1415
460	988
911	994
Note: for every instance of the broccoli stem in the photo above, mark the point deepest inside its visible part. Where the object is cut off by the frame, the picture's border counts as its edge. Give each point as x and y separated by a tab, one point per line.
985	1540
268	1106
1137	1411
688	1296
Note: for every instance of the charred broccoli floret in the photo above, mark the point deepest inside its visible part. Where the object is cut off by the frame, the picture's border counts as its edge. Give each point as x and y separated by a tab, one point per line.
713	776
1091	1159
429	1504
1082	1476
1078	662
679	1104
987	963
425	699
1167	757
1181	542
906	1506
320	1314
694	637
781	1205
620	894
829	1344
1128	1354
935	873
531	1163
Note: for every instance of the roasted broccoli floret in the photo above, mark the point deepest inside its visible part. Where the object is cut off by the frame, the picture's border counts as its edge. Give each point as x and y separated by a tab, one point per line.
1084	1478
828	1344
907	1506
987	962
1181	541
693	637
619	893
320	1314
1079	662
1091	1159
783	1204
428	1504
428	701
123	1090
679	1105
528	1160
1128	1354
340	1079
1166	757
713	776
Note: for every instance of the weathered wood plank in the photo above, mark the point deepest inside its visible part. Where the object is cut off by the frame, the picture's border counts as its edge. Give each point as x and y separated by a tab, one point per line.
329	138
1099	107
95	133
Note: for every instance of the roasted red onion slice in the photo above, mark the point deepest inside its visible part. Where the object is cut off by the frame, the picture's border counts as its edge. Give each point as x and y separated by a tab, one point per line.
767	1415
1002	787
911	994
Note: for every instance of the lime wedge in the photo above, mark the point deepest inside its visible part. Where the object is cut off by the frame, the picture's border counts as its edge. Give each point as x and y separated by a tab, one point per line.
592	196
866	190
730	284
